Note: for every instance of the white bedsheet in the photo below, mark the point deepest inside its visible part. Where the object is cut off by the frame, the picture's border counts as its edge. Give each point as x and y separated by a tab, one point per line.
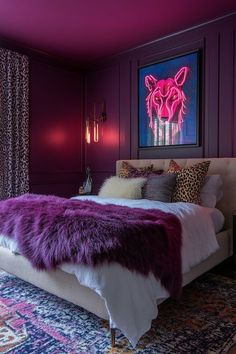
198	225
131	298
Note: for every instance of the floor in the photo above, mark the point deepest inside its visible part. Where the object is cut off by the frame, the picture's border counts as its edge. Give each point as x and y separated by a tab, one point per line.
226	268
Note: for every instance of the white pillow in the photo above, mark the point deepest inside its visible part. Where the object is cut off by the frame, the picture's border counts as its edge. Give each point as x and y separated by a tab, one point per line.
117	187
211	191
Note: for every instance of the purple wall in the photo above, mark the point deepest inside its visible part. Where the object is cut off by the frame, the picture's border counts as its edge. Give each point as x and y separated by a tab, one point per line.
56	99
115	81
56	123
58	153
101	156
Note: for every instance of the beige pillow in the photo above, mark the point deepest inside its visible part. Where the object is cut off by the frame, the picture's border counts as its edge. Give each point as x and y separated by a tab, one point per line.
117	187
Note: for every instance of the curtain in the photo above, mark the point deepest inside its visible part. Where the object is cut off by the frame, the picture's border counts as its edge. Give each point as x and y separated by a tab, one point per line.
14	124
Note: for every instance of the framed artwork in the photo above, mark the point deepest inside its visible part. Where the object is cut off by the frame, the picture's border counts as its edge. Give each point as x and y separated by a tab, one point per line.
169	102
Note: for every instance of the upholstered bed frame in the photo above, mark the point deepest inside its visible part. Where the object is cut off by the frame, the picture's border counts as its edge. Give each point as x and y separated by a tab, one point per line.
67	286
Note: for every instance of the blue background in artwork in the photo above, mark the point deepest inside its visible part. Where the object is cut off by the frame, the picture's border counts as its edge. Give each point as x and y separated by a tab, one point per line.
164	70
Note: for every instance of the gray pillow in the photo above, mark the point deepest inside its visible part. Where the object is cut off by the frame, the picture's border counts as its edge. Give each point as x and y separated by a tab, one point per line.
160	188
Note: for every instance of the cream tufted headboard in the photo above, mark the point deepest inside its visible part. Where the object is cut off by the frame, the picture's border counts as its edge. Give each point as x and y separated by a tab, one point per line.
226	167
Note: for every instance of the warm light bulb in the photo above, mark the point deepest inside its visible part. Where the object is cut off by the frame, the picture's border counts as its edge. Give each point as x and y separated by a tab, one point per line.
95	131
87	133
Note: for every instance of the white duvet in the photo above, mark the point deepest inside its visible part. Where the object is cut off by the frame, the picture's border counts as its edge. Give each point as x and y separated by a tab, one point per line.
131	298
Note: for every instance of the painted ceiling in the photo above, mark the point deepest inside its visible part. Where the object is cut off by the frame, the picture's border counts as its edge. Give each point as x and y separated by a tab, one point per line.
88	30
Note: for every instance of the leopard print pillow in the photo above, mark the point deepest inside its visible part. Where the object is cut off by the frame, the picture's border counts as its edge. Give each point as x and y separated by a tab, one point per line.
128	171
188	181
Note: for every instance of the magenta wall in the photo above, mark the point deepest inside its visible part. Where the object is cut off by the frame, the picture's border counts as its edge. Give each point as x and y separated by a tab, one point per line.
56	155
115	81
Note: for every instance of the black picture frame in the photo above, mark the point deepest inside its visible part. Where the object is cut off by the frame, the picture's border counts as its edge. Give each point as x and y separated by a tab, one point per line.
169	102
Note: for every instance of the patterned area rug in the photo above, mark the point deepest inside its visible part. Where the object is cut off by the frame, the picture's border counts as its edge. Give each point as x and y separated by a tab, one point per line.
33	321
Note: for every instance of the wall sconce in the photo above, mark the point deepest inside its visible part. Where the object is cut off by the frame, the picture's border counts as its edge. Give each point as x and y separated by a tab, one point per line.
87	132
98	120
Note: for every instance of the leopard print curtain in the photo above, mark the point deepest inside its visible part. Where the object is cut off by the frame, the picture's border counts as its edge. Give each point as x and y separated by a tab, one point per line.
14	124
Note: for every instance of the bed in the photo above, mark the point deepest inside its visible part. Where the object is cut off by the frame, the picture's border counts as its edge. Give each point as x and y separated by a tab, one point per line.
66	285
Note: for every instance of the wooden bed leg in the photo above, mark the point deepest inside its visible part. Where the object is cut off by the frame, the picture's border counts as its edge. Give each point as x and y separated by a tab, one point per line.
113	337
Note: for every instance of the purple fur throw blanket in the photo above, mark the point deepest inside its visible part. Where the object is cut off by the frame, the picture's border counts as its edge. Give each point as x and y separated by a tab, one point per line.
50	230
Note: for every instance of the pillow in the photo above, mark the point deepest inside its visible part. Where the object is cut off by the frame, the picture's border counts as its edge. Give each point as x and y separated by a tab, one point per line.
211	191
188	181
117	187
173	167
160	188
128	171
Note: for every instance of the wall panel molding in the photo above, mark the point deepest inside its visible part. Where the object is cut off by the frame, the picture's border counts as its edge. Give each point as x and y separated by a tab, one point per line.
211	102
217	43
234	95
226	89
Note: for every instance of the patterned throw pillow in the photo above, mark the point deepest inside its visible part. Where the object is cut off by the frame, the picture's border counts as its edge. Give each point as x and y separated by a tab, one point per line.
173	167
128	171
189	181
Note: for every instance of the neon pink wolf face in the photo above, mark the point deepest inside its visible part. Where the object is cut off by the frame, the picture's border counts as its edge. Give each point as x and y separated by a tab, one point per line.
166	98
